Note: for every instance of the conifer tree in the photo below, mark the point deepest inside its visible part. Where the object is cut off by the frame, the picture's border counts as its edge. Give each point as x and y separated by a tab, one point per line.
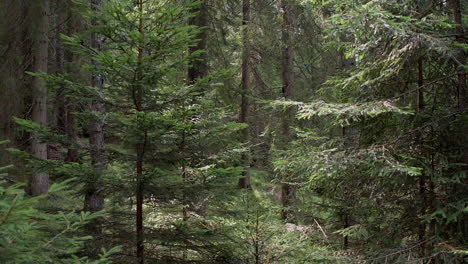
244	181
94	200
287	189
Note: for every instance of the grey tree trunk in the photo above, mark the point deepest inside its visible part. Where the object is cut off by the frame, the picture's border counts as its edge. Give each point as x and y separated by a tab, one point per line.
288	192
94	199
244	181
40	180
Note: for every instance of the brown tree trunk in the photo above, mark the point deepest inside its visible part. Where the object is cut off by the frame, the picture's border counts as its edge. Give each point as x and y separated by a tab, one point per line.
422	178
94	199
244	181
141	148
458	13
55	150
288	192
60	19
40	180
70	108
139	206
462	86
196	70
199	66
345	225
461	60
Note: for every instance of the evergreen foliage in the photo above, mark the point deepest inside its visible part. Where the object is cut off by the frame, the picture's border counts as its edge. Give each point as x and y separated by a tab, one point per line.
236	132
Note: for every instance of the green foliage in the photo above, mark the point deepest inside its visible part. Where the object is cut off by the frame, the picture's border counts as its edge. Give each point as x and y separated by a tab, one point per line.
31	235
375	153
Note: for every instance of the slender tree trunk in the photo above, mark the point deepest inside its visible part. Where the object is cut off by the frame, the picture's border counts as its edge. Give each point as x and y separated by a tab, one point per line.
94	199
40	180
457	8
55	150
141	148
244	181
345	225
199	66
461	61
458	13
196	70
139	205
70	108
288	192
60	19
424	180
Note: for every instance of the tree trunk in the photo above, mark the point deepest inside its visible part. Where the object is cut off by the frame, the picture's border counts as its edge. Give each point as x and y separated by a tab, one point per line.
141	148
60	19
462	86
139	207
288	192
55	150
244	181
94	200
461	61
458	13
70	108
199	66
423	179
40	180
196	70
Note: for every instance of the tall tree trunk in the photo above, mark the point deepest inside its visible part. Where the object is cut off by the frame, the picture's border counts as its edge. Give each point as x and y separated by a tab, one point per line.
139	204
461	60
458	13
457	8
60	19
196	70
40	180
55	150
244	181
70	108
94	199
423	177
288	192
141	148
199	66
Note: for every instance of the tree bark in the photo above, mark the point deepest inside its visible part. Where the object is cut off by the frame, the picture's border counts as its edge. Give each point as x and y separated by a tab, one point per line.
423	177
55	150
461	61
40	180
196	70
139	206
199	66
61	114
458	13
288	192
244	181
141	148
94	199
70	108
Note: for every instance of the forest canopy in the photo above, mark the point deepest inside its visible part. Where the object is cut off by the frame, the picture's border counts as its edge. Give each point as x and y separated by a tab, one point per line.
233	132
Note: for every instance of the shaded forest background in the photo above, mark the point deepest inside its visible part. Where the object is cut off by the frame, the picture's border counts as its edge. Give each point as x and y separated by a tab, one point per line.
223	131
